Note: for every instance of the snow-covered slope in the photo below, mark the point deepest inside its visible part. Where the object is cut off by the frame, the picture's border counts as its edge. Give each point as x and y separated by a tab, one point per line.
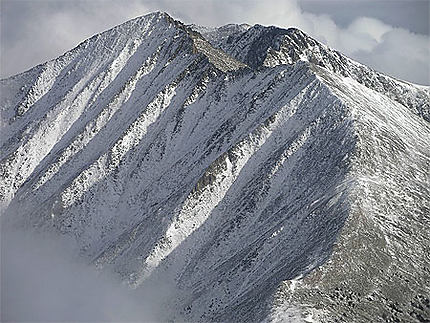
260	173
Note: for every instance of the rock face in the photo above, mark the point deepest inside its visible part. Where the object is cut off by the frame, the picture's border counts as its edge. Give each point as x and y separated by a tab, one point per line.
262	174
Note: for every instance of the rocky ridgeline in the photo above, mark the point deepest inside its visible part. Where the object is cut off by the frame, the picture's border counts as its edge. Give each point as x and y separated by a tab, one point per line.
257	173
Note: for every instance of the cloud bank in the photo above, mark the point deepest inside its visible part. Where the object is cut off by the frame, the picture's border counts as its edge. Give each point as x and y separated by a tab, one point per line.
33	31
44	280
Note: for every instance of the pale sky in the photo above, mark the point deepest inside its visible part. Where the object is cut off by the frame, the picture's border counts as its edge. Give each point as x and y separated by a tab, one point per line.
391	36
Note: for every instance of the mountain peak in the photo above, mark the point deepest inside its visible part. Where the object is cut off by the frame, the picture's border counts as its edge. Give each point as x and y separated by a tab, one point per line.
243	166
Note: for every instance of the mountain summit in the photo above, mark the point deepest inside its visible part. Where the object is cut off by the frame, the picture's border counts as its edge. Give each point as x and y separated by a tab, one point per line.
261	174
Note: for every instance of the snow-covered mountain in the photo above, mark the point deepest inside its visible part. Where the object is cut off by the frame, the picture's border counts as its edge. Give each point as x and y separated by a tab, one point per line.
262	174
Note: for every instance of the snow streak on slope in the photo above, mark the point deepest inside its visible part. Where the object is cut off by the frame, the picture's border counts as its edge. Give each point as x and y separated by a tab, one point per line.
226	170
74	100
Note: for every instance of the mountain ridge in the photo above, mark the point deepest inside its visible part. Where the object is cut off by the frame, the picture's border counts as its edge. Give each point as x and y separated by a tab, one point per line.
286	46
244	187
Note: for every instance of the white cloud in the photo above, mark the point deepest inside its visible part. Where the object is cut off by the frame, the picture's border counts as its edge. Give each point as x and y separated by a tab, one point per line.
369	27
394	51
400	53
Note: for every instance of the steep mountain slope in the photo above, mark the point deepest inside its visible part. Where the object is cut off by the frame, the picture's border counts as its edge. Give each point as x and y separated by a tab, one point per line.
379	268
244	174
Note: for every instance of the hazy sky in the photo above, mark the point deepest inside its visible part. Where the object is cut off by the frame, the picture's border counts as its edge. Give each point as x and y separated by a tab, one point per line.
389	35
